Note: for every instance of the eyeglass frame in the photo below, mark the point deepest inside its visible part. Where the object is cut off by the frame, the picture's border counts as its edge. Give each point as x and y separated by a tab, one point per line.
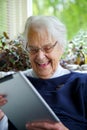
45	49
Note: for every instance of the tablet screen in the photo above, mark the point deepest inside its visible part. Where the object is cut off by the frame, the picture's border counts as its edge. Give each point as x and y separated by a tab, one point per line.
24	102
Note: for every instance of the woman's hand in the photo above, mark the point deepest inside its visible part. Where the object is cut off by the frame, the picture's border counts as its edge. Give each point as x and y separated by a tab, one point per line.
3	100
1	114
45	125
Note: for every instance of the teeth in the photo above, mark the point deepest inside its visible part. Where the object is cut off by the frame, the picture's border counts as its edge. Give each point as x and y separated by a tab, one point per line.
43	65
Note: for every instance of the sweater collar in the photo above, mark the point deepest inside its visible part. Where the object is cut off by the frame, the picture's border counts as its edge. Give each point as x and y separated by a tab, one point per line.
59	72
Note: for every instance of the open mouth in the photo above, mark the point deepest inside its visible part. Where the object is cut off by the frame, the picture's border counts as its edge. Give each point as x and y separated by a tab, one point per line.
43	65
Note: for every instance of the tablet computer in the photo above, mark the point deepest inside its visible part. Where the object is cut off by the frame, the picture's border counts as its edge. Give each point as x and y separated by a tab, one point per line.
24	102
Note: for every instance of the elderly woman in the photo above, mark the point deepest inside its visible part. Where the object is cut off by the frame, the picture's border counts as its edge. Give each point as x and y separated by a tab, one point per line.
64	91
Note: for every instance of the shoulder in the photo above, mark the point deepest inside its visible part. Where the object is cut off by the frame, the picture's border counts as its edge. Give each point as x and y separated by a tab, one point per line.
80	75
78	79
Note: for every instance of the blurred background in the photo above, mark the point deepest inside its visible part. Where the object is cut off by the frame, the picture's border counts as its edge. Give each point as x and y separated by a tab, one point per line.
13	14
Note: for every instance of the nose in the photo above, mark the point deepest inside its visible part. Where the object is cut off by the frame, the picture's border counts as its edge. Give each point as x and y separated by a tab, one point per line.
40	55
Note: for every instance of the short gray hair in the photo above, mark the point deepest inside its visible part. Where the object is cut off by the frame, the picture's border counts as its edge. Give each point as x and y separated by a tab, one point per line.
53	25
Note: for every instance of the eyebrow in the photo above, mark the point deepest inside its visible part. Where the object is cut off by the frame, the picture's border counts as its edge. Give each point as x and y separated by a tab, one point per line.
48	44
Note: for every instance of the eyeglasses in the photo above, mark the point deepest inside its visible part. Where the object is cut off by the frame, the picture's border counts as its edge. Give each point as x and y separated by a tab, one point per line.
46	49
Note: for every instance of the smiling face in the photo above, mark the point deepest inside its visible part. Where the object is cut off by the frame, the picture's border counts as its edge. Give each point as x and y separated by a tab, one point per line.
44	64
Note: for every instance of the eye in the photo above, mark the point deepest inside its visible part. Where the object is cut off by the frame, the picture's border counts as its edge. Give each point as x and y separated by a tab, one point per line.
33	49
47	47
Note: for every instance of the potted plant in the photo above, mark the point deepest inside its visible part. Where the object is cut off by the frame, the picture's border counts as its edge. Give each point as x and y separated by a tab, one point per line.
13	55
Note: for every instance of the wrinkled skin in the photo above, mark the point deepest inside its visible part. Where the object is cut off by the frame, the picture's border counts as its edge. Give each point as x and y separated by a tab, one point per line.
45	125
44	64
1	114
3	101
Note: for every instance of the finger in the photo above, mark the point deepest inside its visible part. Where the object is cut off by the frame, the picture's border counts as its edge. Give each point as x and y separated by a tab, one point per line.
1	114
41	125
3	95
31	126
3	101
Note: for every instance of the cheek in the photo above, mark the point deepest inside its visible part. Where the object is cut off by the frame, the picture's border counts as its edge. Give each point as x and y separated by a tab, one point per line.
56	55
31	58
32	61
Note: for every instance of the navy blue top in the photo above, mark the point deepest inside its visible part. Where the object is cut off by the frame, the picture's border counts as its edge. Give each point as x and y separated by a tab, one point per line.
67	96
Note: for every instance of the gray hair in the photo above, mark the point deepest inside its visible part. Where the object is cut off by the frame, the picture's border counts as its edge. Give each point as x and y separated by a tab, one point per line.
54	27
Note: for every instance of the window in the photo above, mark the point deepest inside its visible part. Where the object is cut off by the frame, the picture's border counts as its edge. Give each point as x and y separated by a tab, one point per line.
13	15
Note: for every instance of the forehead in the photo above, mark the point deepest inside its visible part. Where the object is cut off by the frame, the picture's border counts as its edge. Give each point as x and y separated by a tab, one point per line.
39	36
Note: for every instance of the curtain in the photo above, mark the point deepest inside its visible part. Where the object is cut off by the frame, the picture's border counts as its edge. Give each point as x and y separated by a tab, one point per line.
13	15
